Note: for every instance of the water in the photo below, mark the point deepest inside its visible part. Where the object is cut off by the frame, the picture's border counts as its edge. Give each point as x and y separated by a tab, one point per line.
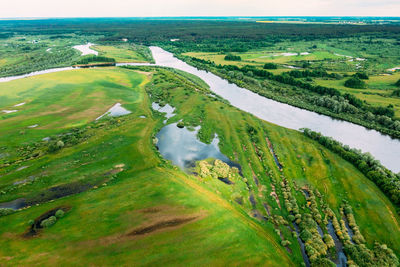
182	147
9	111
15	204
382	147
85	49
341	259
167	109
10	78
302	246
115	111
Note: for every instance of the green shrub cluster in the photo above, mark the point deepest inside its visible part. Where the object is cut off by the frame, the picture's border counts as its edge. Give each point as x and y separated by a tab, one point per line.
5	211
232	57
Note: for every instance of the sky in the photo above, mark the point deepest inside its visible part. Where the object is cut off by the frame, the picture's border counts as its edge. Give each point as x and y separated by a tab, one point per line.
151	8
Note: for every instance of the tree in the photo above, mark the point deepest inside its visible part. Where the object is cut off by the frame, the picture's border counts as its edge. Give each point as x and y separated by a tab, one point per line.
232	57
396	92
270	66
361	75
355	82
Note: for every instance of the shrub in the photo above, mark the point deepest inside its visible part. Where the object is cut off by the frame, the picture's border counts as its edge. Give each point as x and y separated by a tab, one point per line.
48	222
270	66
55	146
180	124
361	75
232	57
31	222
5	211
396	92
397	83
60	214
355	82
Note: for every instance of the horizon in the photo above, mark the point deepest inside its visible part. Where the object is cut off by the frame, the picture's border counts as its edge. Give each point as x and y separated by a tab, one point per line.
199	8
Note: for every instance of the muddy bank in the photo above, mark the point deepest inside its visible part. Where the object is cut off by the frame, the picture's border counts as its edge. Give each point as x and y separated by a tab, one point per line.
35	228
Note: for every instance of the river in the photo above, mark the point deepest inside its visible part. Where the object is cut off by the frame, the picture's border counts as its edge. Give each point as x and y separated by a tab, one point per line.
382	147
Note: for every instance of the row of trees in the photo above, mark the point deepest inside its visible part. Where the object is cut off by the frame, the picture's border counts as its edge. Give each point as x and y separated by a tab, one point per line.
232	57
93	58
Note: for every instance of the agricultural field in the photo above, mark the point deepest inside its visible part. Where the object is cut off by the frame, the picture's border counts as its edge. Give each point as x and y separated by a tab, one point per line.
121	202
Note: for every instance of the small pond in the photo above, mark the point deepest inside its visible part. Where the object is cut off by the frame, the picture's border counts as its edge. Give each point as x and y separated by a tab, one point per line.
182	147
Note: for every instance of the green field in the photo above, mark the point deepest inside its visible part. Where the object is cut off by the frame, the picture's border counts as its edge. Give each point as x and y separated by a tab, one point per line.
121	53
127	187
378	92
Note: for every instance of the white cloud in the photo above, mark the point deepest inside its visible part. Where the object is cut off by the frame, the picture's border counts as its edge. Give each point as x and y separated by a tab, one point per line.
135	8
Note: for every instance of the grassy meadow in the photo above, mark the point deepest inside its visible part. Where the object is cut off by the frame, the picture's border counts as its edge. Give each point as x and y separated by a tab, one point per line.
132	205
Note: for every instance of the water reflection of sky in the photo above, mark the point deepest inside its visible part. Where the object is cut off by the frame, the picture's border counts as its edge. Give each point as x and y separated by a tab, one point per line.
182	147
382	147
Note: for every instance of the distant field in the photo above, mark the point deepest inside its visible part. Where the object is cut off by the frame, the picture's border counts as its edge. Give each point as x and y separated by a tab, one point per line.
378	92
120	53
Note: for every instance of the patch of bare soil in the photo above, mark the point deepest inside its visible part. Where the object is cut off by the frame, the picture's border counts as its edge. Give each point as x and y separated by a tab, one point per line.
161	225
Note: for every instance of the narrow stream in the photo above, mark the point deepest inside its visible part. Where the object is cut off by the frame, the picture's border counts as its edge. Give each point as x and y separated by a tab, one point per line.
341	259
302	246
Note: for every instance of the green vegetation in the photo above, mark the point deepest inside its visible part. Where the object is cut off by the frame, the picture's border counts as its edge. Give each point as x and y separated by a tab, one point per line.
94	190
125	52
109	156
355	82
270	66
91	59
382	177
231	57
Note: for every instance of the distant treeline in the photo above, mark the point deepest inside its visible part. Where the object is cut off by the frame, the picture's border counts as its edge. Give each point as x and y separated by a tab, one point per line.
91	59
202	34
386	180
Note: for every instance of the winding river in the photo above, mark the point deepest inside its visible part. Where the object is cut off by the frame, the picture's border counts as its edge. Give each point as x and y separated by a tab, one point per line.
382	147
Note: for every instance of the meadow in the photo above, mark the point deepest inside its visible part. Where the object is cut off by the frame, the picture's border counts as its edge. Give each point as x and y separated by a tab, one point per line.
126	204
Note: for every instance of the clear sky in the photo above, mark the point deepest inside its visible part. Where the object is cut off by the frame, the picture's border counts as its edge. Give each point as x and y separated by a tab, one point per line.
141	8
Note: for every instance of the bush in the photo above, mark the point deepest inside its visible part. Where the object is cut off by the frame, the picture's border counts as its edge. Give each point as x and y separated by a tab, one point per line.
31	222
55	146
361	75
397	83
5	211
48	222
232	57
60	214
180	124
396	92
355	82
270	66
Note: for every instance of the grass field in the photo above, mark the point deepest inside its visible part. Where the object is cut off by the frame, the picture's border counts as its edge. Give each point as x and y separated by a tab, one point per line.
378	92
188	220
120	53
